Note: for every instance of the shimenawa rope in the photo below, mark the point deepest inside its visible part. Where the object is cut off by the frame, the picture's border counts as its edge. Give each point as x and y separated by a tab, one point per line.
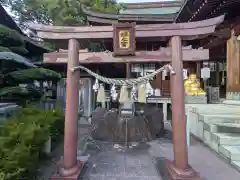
128	82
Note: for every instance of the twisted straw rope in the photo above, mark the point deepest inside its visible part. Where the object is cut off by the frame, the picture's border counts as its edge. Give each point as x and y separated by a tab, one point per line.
127	82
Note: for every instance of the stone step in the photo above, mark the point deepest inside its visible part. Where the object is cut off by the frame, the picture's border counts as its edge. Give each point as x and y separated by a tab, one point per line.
230	152
225	138
210	119
222	127
214	140
236	164
227	111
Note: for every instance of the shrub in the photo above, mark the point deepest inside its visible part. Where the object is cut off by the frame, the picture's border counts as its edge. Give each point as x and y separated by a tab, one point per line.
4	49
19	50
16	49
9	37
22	139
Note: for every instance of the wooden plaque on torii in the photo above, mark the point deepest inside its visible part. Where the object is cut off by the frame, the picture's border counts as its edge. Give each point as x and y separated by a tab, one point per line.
124	39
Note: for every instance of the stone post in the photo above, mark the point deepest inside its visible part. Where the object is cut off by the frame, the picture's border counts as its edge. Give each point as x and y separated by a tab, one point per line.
70	167
179	168
233	71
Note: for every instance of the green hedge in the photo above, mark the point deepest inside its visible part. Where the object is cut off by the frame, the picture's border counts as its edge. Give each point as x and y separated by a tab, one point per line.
22	139
4	49
9	37
24	92
19	50
16	49
30	75
9	59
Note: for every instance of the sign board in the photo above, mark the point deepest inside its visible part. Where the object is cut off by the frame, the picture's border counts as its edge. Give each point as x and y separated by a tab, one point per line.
124	39
205	73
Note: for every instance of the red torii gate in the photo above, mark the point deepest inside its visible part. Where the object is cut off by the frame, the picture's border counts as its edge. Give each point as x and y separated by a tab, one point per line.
178	169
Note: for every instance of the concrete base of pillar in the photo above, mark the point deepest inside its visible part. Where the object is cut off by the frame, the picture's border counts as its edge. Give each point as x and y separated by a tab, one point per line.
69	174
232	102
174	173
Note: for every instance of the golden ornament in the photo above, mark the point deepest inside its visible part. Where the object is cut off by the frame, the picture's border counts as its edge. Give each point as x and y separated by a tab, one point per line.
192	86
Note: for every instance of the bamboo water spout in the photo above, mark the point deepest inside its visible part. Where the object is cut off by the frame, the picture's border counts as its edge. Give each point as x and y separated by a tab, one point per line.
192	86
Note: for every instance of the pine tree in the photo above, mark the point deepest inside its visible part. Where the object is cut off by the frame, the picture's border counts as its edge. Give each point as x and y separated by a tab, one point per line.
15	69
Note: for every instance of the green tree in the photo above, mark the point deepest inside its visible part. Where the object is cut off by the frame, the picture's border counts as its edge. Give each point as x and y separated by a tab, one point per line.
57	12
15	69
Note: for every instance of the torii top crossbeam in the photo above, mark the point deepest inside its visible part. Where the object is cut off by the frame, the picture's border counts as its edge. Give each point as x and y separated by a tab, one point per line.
142	31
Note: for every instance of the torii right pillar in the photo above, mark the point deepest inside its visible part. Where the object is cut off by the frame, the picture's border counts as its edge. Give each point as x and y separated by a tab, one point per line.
179	169
233	71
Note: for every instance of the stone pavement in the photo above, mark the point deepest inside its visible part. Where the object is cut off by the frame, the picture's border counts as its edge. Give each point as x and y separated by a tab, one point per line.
209	165
146	162
129	164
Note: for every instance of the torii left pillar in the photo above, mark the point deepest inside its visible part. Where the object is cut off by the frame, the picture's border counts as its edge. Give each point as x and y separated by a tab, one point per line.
70	167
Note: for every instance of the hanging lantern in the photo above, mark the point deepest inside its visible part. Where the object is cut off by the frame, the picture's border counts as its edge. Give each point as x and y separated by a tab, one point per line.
123	97
134	93
101	94
149	90
96	85
114	94
142	93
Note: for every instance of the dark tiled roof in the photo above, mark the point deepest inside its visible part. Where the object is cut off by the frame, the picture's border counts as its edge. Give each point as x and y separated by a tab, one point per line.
196	10
159	12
